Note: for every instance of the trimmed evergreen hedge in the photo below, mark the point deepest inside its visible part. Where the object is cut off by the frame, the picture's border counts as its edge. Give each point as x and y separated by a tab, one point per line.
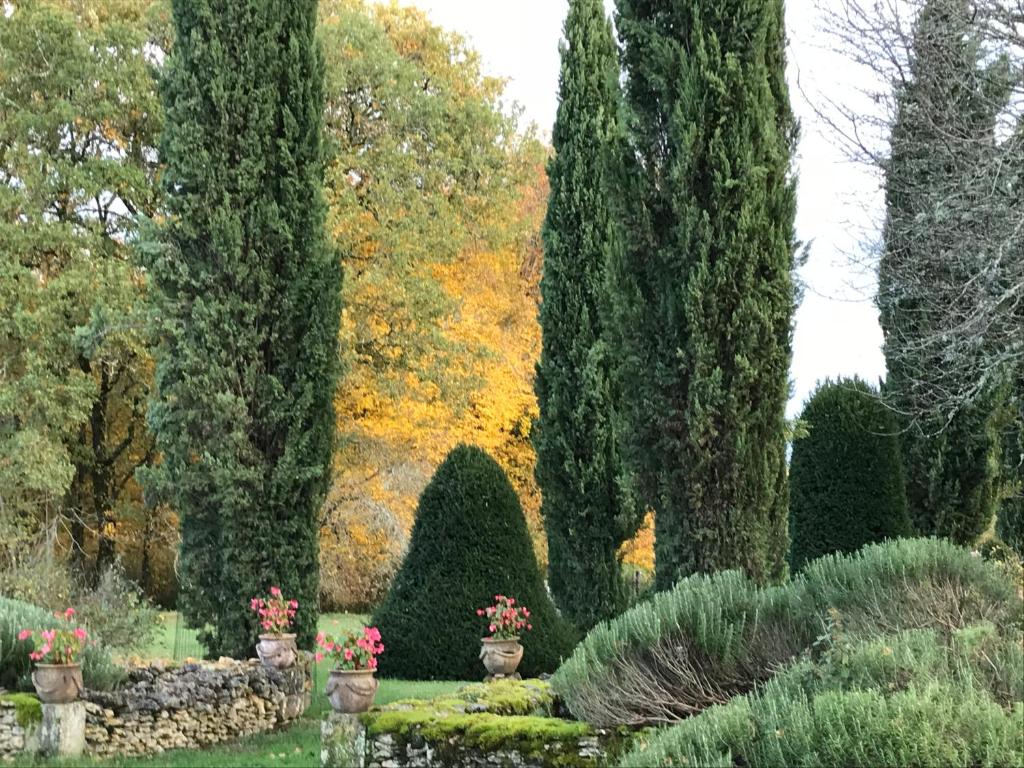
911	699
1010	524
713	638
469	543
98	670
846	476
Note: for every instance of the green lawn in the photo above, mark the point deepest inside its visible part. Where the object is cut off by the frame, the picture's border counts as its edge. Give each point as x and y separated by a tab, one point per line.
295	747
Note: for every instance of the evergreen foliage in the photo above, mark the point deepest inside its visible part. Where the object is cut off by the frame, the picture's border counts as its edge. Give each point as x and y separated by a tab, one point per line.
846	475
585	515
704	295
469	543
1010	518
714	637
249	310
944	131
910	699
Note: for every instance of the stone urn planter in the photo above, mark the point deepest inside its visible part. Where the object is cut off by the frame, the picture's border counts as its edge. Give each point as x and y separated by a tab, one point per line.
351	691
277	651
501	657
57	683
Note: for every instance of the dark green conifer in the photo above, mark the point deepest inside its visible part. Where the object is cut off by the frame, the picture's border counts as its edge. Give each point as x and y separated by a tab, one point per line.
938	199
584	512
249	307
469	543
704	296
846	476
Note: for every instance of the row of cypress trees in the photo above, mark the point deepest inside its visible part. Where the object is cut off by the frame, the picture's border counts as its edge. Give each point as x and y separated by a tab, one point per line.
668	302
668	296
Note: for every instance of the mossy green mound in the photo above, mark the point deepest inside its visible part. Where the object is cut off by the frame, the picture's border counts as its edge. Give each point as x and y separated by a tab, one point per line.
501	697
499	717
27	708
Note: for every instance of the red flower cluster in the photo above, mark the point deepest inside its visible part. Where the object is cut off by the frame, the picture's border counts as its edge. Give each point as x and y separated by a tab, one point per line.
275	612
506	619
58	646
353	652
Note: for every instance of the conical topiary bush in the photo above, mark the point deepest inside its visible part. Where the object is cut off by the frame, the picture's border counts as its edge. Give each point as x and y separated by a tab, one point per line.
469	543
846	477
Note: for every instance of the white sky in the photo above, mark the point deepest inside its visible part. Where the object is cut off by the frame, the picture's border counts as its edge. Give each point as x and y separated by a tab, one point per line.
837	331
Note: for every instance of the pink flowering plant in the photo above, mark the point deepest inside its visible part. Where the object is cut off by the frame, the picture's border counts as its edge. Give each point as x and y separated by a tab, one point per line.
275	613
62	645
356	651
506	619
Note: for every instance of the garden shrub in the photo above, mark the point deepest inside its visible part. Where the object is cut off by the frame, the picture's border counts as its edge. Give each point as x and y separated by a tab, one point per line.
714	637
1010	522
115	610
846	476
912	699
469	543
98	669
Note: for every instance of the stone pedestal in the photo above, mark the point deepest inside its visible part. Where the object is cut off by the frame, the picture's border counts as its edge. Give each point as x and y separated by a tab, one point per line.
342	741
62	732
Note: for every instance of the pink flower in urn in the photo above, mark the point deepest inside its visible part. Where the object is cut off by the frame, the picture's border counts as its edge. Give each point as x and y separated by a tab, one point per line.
506	619
356	651
61	645
275	591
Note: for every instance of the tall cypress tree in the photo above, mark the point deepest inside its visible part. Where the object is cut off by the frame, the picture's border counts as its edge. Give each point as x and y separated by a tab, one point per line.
577	461
705	295
249	310
938	198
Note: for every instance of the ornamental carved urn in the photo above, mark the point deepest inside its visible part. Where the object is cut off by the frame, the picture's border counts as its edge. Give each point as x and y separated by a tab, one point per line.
501	657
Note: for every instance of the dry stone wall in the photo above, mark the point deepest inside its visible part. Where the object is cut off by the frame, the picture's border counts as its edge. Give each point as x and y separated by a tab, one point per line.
193	706
14	738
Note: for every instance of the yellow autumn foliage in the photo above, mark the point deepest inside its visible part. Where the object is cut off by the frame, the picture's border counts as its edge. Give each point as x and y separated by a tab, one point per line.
436	203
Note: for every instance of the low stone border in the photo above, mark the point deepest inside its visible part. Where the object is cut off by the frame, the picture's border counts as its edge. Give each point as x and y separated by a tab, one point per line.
346	742
188	706
20	716
193	706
